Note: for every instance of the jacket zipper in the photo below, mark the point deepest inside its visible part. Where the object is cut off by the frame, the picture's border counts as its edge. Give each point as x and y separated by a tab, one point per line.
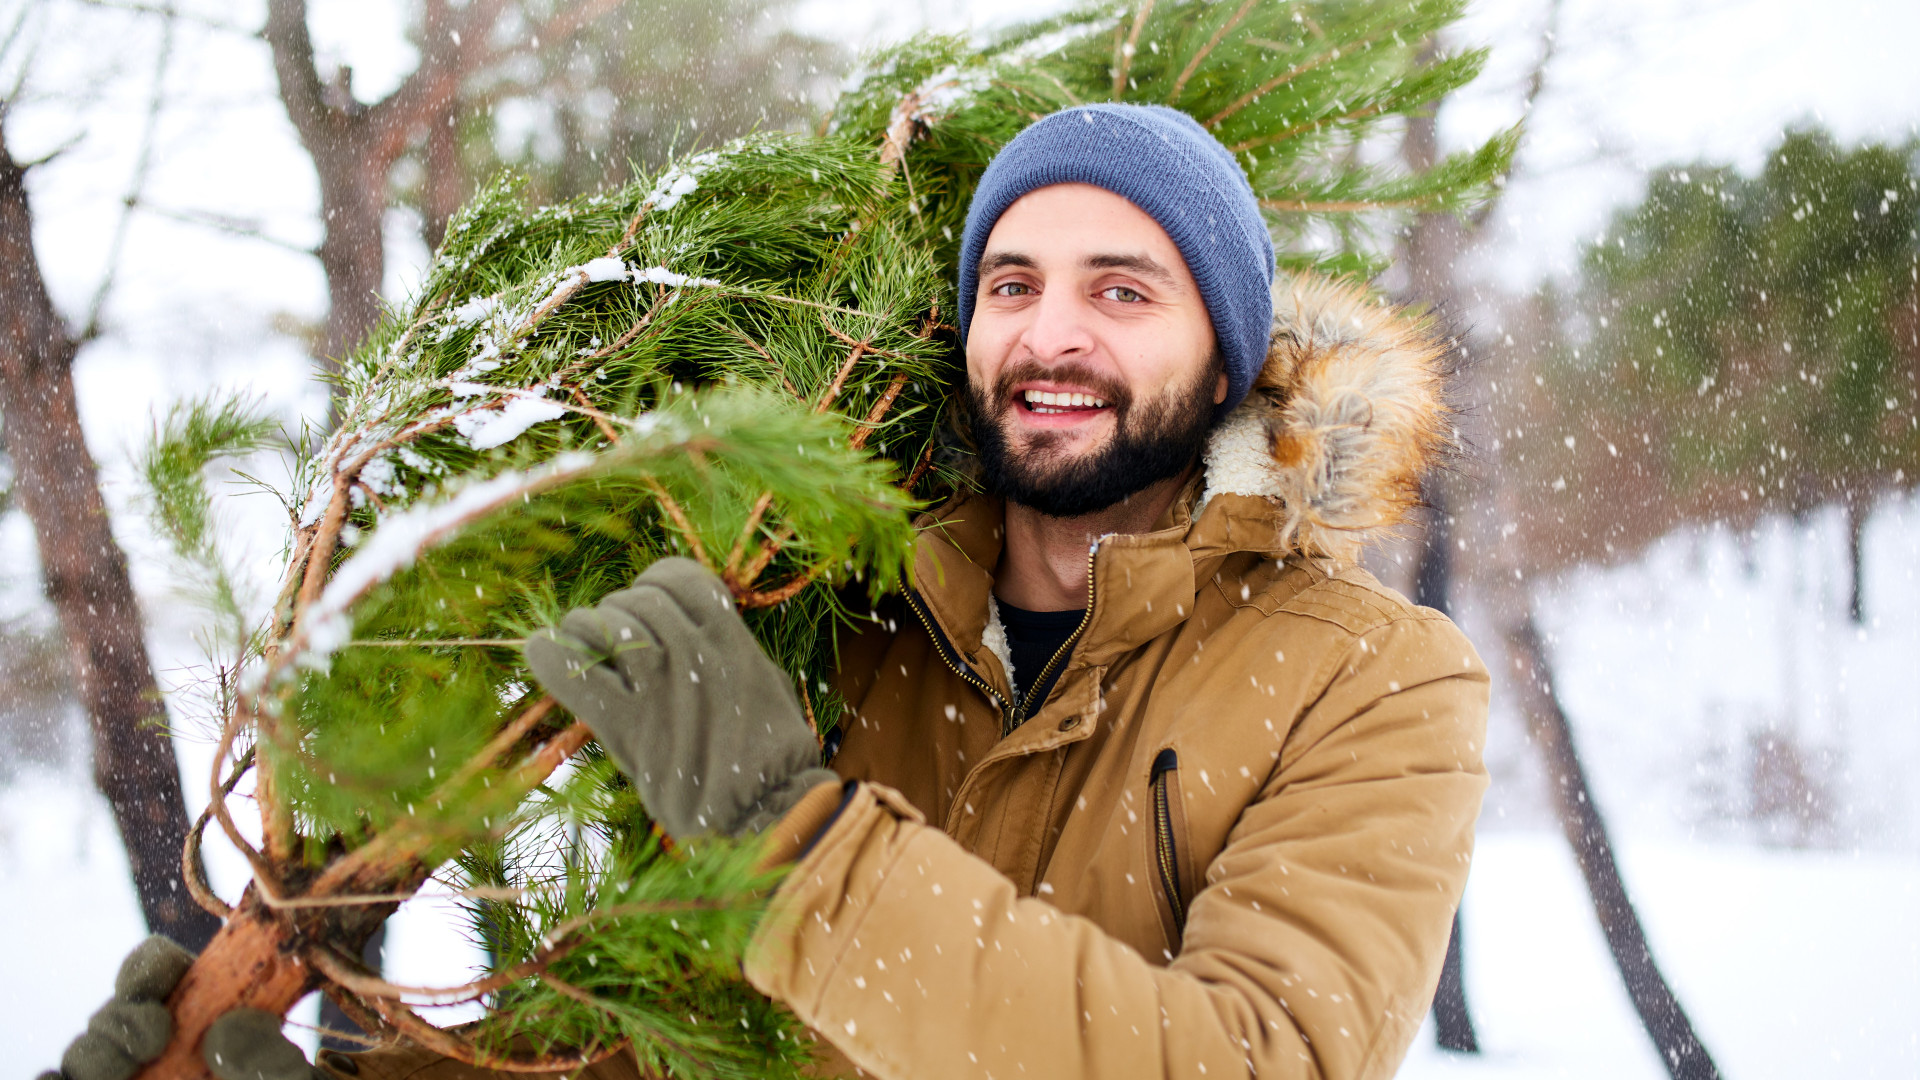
950	657
1167	855
1021	711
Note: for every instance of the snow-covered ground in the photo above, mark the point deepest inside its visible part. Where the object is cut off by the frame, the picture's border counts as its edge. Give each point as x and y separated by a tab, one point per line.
1797	952
1791	964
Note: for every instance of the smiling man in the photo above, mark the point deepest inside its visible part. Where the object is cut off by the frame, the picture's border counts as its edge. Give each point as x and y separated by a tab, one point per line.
1144	777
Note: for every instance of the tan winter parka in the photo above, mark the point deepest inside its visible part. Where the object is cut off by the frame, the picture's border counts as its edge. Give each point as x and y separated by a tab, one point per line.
1231	840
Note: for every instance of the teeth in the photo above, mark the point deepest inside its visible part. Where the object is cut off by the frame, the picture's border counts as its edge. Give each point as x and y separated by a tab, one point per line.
1071	401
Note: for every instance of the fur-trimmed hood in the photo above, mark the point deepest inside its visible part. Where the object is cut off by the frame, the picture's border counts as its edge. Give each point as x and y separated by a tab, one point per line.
1342	422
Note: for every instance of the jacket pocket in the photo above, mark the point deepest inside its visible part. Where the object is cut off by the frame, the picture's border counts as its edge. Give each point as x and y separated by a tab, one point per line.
1169	837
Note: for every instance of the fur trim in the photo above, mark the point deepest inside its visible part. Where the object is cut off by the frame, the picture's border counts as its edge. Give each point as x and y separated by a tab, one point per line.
1343	420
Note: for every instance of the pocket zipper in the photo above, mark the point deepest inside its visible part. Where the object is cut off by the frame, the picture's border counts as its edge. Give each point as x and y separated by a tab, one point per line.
1167	855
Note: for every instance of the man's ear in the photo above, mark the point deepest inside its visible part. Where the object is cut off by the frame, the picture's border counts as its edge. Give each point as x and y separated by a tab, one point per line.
1220	388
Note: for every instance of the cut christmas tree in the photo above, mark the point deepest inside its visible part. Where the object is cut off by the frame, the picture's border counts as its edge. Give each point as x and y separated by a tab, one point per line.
745	359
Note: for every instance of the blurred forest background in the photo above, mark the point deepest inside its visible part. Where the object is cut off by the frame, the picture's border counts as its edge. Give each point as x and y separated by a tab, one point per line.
1685	535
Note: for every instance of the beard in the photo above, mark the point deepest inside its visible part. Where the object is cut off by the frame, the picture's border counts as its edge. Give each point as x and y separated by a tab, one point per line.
1152	441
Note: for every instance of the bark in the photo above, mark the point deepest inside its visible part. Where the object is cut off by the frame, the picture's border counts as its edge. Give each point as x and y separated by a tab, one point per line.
1433	578
1432	251
354	146
334	1018
1453	1025
257	961
252	962
260	959
86	577
445	182
1680	1049
1433	581
1857	509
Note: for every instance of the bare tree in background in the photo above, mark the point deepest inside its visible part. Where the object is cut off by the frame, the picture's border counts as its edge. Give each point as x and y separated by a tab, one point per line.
85	573
354	145
616	81
649	65
1436	248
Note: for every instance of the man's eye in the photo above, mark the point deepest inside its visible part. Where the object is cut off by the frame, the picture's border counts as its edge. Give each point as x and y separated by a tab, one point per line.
1122	294
1012	288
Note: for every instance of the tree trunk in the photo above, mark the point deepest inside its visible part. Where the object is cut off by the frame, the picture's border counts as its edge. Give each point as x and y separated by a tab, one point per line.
1452	1024
86	578
1680	1049
1857	509
333	1018
1433	580
354	145
353	200
251	963
445	185
1430	257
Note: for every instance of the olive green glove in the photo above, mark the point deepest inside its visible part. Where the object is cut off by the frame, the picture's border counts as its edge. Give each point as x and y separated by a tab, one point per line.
133	1028
680	695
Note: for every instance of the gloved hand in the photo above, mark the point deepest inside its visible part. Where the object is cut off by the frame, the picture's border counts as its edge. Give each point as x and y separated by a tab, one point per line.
133	1028
680	695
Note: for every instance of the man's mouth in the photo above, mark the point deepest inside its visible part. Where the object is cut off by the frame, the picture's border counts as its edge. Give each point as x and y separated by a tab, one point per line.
1048	403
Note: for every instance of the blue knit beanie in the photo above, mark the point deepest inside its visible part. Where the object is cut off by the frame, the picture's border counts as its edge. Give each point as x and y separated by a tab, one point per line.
1166	164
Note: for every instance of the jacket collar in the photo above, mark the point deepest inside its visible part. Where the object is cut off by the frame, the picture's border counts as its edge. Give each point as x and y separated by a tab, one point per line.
1143	584
1326	452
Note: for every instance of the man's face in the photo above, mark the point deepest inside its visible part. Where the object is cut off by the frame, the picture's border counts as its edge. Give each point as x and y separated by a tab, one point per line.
1092	367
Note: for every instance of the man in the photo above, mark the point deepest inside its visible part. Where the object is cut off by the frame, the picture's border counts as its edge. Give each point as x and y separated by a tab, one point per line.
1144	776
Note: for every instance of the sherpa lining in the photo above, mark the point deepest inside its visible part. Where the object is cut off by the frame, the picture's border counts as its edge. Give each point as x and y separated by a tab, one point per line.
994	637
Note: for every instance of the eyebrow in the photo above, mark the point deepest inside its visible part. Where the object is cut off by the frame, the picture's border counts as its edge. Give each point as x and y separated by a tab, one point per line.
998	259
1139	264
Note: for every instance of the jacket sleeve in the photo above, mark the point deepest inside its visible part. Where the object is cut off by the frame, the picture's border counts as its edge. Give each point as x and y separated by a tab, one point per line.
1312	951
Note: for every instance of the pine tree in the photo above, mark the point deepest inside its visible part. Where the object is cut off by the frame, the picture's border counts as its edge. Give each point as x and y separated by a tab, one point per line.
1739	345
744	358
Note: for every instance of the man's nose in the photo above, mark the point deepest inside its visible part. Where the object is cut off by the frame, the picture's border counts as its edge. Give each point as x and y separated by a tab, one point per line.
1059	328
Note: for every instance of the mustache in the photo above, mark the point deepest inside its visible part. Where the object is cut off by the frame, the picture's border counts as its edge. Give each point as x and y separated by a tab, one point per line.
1106	387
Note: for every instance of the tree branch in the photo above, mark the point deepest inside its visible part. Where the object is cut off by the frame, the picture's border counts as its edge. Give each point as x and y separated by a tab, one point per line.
166	11
1124	64
142	168
226	223
301	90
1193	65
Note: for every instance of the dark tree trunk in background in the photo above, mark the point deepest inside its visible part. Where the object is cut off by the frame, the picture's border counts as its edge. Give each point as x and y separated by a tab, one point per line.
1430	258
1452	1023
1680	1049
1857	510
446	180
1433	582
86	577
